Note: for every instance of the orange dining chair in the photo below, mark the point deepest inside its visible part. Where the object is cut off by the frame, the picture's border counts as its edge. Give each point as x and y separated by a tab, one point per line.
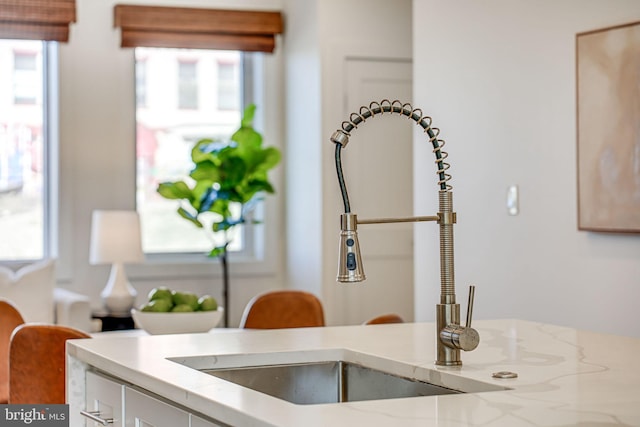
10	318
37	359
385	318
283	309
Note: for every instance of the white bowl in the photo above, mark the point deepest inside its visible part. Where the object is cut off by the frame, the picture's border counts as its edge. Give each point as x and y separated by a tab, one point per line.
177	323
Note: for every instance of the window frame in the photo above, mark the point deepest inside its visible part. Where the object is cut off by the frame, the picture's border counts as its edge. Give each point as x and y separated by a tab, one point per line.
226	29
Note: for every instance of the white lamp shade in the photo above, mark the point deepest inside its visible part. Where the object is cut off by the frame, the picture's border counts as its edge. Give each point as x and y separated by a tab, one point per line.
115	237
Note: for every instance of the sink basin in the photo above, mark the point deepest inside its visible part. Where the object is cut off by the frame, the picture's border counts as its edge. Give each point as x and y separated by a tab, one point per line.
327	382
332	376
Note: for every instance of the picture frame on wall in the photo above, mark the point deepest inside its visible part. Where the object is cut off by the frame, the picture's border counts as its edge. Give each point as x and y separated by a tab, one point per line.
608	128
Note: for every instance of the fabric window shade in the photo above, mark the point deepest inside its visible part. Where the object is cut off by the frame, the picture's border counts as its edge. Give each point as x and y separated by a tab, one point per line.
36	19
193	28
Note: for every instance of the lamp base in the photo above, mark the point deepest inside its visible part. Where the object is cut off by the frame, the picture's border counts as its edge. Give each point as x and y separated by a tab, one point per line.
118	296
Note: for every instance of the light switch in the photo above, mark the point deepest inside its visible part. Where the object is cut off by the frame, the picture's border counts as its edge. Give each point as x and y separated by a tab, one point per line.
512	200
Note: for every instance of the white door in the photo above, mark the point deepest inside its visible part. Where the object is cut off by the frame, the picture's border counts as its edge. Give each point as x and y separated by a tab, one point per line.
378	171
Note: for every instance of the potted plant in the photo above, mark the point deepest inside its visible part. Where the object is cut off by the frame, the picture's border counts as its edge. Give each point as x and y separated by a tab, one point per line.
227	180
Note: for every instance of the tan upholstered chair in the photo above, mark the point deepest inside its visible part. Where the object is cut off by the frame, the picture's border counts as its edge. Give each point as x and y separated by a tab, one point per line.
283	309
385	318
37	357
10	318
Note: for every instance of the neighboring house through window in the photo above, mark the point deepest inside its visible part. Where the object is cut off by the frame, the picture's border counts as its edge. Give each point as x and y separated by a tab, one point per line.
24	186
187	85
228	85
27	82
167	131
28	36
141	81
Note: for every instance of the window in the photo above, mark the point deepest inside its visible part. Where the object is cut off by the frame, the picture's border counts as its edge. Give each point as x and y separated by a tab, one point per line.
214	50
228	87
27	84
187	84
24	186
25	146
141	82
167	129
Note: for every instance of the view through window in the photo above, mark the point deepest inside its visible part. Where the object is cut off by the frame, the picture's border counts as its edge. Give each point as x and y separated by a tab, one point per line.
22	150
182	95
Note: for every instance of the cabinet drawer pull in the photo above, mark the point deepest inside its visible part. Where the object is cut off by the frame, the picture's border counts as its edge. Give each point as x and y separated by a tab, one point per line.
95	416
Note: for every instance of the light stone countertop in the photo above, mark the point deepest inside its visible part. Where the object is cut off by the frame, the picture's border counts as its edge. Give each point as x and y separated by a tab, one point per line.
566	377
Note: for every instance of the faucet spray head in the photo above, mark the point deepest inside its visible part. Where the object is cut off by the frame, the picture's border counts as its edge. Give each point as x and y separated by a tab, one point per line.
349	259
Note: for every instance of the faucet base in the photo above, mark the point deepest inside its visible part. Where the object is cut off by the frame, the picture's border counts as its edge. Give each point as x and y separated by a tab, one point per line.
445	363
447	314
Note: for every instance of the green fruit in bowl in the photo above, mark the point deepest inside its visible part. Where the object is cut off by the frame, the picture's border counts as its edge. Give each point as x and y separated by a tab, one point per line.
161	292
188	298
207	303
182	308
157	306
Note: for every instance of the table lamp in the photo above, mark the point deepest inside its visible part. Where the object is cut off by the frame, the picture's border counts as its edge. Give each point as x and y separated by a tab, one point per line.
115	239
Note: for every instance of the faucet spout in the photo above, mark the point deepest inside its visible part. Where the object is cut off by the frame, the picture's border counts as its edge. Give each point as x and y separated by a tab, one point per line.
452	337
349	260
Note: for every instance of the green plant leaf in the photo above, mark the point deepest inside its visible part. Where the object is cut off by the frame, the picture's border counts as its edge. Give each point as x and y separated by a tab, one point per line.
208	199
232	172
199	152
226	224
217	251
174	190
271	158
247	139
206	170
258	185
200	193
248	115
190	217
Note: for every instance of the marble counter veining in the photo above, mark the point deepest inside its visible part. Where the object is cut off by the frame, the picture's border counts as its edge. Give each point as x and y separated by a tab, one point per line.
566	377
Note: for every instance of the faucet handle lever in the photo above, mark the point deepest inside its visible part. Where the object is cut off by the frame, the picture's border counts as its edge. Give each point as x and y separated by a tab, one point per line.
472	293
462	337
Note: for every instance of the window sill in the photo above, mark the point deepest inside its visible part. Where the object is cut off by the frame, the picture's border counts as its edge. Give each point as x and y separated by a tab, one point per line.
172	266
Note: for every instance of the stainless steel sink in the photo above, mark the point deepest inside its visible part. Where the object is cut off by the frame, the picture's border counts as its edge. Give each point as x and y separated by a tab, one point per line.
332	376
327	382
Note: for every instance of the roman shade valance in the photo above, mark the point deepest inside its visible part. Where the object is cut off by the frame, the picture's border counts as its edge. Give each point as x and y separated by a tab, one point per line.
193	28
36	19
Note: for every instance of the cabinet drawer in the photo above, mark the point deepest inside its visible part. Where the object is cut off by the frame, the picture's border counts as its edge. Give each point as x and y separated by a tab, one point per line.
199	422
142	410
103	401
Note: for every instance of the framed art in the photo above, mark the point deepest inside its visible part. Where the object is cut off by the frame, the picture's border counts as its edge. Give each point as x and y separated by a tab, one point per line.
608	128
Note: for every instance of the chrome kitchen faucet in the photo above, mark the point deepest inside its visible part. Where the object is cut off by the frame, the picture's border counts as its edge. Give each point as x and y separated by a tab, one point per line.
451	336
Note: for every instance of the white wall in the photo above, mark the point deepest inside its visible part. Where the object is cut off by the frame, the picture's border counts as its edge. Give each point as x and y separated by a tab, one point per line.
304	148
498	77
97	156
320	35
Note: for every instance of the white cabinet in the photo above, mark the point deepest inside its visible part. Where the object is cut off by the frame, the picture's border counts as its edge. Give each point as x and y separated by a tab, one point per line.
199	422
103	401
109	402
142	410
